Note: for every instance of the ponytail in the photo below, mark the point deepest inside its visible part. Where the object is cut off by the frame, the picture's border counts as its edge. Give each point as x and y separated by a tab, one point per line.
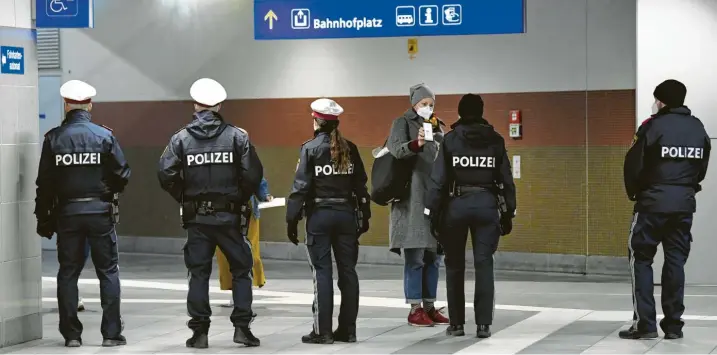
340	151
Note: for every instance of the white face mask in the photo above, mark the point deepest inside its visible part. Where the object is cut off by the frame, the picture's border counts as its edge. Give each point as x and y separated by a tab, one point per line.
655	108
425	112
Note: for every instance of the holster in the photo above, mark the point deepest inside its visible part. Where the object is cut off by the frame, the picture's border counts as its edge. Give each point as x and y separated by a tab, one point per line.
359	212
115	209
48	223
506	220
245	217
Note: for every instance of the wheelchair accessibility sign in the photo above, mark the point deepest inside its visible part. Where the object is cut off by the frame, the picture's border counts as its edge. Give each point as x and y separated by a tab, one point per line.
61	8
65	13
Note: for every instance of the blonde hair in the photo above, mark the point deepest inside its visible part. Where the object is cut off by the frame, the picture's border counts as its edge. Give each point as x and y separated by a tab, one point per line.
340	153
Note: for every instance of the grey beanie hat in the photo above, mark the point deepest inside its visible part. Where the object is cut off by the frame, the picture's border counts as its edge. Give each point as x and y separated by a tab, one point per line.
420	92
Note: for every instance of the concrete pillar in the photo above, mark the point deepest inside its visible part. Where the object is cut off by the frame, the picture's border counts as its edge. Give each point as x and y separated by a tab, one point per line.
20	254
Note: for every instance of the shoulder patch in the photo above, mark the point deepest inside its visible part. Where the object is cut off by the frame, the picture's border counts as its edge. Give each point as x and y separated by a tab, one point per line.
179	130
634	140
50	131
103	126
239	128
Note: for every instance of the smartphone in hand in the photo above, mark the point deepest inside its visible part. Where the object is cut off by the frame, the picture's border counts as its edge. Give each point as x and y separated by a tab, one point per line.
427	131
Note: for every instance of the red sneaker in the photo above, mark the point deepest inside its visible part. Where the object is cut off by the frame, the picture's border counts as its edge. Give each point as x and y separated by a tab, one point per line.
419	318
437	316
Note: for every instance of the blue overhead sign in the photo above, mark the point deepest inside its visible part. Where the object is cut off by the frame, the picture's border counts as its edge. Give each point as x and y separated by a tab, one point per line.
12	60
314	19
65	13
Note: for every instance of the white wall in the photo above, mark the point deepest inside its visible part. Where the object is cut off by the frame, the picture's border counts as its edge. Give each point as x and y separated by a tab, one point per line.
678	39
20	253
153	50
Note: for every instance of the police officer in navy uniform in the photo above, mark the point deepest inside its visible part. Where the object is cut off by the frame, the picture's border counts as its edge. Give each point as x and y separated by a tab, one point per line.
330	188
82	169
663	170
211	168
462	196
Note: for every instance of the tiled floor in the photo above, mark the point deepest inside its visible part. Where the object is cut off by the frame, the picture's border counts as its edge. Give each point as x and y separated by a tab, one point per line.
536	314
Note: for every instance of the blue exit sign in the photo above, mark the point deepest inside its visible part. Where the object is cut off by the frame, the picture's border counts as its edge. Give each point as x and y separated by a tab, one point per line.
314	19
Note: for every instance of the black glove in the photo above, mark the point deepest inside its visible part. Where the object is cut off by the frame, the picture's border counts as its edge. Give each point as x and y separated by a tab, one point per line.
45	229
435	224
506	223
292	231
364	227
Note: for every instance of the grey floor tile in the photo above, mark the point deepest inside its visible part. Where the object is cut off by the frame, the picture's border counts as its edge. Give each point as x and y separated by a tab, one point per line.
156	318
442	344
573	338
612	344
697	340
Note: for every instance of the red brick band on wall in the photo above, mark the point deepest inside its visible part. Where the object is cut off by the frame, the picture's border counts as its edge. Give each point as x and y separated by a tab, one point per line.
571	155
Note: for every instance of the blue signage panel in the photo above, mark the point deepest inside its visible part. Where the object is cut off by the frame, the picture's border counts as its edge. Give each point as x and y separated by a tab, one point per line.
65	13
313	19
12	60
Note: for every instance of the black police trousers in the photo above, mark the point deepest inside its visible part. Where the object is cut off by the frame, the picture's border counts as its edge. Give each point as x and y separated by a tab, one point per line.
647	231
202	241
73	232
477	213
328	229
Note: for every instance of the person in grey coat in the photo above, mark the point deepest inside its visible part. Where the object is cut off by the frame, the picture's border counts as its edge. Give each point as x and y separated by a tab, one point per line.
409	230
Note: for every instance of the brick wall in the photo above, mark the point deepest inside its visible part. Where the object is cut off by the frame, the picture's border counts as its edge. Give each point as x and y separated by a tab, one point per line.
570	195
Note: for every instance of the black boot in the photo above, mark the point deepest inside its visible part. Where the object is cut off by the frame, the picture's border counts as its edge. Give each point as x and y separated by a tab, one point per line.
243	335
313	338
73	343
199	340
344	335
455	330
483	331
118	341
635	334
673	335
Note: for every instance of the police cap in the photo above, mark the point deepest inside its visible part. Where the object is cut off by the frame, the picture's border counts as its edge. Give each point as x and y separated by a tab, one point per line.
326	109
77	92
207	92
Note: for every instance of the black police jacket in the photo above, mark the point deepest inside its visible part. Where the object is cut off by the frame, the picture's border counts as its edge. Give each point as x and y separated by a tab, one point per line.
79	160
210	160
667	161
318	178
472	154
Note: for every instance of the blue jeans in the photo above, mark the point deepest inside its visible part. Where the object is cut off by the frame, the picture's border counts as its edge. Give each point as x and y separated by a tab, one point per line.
420	275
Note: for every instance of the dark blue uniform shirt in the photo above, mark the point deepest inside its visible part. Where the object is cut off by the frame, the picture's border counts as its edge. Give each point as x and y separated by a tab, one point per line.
472	154
667	161
210	160
79	159
317	177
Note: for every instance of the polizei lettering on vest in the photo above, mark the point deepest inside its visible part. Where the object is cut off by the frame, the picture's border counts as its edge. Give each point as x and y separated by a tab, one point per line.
210	158
682	152
474	162
331	170
77	159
